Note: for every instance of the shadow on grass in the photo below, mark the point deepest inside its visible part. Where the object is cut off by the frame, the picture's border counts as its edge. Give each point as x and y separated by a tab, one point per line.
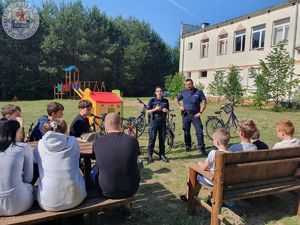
153	204
162	170
197	156
263	210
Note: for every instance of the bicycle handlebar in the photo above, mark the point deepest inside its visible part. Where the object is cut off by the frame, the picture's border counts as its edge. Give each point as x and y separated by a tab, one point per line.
129	119
141	102
102	116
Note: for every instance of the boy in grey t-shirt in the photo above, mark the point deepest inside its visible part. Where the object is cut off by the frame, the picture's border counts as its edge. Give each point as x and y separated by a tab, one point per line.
220	138
246	129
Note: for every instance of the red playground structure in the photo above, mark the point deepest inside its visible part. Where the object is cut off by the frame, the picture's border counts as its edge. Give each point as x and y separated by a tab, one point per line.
72	80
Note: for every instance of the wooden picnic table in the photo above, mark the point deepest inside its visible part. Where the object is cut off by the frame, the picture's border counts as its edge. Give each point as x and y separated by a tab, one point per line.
86	153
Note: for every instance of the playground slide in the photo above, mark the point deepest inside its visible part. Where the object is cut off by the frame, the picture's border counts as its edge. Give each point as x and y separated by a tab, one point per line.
79	92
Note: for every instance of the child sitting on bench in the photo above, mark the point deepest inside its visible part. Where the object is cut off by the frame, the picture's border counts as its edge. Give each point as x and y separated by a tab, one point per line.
246	130
220	138
285	131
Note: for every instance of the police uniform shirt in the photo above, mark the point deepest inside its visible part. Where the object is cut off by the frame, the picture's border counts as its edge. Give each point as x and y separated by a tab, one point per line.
191	100
163	103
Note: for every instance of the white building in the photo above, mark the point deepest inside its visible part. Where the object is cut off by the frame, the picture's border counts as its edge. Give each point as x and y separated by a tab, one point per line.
241	41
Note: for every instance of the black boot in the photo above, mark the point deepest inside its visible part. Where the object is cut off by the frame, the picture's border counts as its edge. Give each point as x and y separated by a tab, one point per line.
163	158
150	159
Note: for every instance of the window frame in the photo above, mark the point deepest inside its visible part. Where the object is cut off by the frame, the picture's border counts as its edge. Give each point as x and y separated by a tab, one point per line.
243	39
260	31
204	42
200	74
284	25
225	39
190	45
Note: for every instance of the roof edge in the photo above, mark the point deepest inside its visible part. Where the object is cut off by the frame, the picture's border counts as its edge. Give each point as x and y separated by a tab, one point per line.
240	18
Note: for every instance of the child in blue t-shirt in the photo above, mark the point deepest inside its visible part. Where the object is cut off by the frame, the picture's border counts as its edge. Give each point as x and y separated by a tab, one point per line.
246	130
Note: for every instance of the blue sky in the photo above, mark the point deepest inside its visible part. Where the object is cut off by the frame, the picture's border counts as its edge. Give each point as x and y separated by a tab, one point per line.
165	16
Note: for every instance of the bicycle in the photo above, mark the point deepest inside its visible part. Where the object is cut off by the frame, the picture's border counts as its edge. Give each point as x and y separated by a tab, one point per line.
141	118
29	132
130	127
170	136
95	124
169	122
216	121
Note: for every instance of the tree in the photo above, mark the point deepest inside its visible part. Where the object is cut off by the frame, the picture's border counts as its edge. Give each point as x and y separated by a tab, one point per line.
126	54
233	90
174	84
216	87
262	93
278	70
199	86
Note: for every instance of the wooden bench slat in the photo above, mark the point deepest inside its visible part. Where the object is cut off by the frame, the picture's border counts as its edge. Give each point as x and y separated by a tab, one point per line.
261	190
261	155
256	183
248	172
39	215
207	174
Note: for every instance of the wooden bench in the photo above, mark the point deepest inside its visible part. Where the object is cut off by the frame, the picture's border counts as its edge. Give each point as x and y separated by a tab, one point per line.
88	206
246	175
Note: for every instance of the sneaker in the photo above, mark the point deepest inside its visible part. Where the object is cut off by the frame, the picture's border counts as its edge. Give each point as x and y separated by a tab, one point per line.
183	198
229	204
187	148
125	213
163	158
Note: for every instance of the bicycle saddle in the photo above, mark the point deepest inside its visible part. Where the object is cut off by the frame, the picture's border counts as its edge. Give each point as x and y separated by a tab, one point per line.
218	112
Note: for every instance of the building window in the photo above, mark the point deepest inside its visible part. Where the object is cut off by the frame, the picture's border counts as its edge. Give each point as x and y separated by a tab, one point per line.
202	74
239	41
204	48
188	75
222	44
258	36
190	46
280	30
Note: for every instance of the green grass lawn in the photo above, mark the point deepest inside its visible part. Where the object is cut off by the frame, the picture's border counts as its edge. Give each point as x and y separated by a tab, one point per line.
156	201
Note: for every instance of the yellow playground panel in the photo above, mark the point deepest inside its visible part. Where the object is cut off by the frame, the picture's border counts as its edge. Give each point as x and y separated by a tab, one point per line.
103	102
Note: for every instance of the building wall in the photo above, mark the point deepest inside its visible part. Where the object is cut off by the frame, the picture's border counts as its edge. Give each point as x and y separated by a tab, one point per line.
191	62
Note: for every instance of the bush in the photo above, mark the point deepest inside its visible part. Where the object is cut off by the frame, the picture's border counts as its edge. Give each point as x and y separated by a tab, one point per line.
199	86
174	84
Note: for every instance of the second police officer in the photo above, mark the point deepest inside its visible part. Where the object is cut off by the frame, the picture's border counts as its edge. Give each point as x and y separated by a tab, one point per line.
194	103
158	108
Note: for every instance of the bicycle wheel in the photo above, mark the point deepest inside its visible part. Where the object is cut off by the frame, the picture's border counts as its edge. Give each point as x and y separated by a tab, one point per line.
169	141
141	125
235	121
173	126
211	125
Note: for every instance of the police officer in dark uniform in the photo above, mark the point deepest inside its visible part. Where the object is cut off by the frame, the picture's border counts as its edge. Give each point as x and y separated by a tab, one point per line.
158	108
194	103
